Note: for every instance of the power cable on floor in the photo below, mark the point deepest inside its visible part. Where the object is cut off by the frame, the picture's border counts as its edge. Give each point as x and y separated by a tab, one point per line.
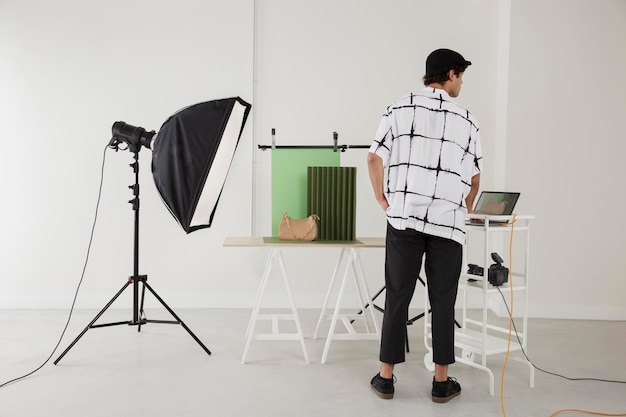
543	370
569	410
93	227
513	327
573	410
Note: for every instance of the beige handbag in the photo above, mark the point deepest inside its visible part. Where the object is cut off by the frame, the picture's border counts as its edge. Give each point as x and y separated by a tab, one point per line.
298	229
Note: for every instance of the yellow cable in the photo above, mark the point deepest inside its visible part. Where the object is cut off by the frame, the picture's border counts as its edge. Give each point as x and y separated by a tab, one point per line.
573	410
508	347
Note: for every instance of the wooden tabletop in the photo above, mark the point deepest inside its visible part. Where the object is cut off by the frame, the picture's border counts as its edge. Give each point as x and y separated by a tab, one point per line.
256	241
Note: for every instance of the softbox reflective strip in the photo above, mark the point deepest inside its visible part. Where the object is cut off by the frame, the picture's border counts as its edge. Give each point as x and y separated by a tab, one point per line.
190	144
221	165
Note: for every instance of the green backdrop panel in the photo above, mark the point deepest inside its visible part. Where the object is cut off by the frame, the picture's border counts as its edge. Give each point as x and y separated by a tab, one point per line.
289	180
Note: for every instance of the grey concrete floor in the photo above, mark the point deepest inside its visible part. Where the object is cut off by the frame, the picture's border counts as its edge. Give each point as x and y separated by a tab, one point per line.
162	371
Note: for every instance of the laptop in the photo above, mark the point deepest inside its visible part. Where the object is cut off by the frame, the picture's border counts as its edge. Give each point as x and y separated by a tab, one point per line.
495	203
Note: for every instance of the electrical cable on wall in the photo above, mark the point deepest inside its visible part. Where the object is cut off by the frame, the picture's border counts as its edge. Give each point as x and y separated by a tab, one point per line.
82	276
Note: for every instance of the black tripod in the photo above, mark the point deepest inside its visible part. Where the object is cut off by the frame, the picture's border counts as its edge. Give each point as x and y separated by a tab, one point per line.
138	313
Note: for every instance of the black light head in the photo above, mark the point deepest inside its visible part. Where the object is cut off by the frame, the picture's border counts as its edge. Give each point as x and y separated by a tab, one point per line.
134	136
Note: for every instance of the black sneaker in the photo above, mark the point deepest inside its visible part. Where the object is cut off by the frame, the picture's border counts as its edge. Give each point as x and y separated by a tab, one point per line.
445	391
383	387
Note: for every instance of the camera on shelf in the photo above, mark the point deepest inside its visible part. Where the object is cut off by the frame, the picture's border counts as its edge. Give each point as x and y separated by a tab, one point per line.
497	275
475	270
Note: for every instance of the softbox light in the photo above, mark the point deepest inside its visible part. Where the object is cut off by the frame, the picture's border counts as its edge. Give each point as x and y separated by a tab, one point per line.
191	157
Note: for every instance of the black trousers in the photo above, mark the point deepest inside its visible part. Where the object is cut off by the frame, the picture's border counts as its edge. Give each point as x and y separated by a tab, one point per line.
405	250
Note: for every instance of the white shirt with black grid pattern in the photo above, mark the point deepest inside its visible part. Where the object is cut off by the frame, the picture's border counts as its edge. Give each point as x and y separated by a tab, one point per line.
430	147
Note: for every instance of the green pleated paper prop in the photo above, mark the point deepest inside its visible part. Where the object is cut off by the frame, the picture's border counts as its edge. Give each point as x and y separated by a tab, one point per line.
332	196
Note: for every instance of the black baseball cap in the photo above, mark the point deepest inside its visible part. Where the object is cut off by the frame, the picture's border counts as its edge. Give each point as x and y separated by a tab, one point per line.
442	60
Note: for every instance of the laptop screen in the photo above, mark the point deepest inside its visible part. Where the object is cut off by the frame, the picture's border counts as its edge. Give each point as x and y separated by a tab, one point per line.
496	203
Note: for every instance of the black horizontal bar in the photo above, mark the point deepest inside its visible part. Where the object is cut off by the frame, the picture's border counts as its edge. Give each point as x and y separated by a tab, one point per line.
342	148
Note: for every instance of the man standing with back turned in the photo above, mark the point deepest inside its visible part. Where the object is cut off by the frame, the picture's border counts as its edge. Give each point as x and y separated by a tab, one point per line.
429	148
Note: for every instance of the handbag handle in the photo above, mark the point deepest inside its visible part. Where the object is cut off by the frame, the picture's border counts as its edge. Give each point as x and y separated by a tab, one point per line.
314	217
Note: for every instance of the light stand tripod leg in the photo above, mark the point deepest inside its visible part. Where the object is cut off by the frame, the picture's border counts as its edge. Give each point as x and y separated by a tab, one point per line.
146	285
141	313
406	338
90	325
135	279
373	305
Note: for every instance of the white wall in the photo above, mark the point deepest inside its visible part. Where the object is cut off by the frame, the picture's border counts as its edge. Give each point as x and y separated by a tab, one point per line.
329	66
566	151
70	69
